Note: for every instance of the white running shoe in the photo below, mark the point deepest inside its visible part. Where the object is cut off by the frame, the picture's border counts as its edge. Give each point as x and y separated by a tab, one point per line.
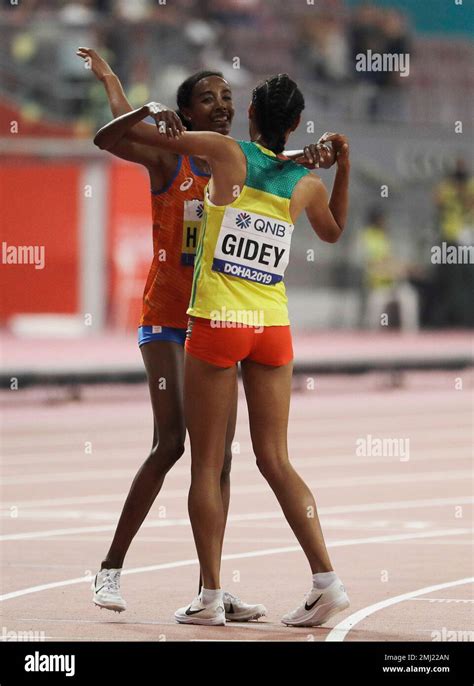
238	611
198	613
106	587
319	605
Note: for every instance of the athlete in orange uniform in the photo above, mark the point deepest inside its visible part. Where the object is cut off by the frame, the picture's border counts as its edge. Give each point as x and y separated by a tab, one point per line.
177	187
177	211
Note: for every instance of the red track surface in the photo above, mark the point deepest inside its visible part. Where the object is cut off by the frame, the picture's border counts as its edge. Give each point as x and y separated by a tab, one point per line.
120	351
394	526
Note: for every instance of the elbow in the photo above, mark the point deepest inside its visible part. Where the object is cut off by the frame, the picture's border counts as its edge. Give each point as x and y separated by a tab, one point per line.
99	140
332	236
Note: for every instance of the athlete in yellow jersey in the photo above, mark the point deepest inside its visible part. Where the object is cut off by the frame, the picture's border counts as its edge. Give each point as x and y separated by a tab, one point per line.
177	184
253	199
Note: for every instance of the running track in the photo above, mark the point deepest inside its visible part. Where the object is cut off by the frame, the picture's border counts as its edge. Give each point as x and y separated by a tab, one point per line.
399	530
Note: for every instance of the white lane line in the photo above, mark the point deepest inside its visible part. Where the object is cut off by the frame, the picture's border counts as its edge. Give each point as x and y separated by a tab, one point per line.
335	509
256	626
421	453
74	500
333	482
445	600
240	556
340	631
24	433
250	516
54	450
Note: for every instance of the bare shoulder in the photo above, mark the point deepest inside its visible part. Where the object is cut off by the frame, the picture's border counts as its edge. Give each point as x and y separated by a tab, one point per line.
309	184
309	192
221	146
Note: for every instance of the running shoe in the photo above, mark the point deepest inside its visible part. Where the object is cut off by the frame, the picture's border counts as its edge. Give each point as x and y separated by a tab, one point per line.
106	587
238	611
198	613
320	604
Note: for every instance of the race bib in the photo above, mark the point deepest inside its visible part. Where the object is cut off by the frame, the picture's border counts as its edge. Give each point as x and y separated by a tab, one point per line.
193	211
253	247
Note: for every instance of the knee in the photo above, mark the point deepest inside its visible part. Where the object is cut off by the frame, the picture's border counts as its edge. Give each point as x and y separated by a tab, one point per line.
227	466
167	451
271	467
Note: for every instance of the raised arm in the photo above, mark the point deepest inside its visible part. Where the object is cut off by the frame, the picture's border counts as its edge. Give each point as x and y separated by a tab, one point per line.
139	144
224	155
207	144
313	156
141	132
327	215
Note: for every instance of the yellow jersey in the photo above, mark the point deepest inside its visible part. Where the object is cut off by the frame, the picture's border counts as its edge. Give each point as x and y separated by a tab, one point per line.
244	247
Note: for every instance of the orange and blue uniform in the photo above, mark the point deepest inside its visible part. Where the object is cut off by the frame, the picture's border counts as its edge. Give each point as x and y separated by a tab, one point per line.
177	211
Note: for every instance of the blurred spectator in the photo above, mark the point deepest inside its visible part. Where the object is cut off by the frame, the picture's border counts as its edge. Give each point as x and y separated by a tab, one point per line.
135	11
382	32
365	34
390	103
324	48
235	12
454	198
78	29
454	282
386	289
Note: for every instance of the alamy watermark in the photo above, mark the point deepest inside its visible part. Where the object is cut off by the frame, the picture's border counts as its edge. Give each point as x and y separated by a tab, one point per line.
38	662
452	254
368	446
374	61
226	318
10	635
445	634
23	254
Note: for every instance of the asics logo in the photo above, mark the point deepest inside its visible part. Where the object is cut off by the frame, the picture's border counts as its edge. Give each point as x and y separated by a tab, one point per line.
186	184
310	607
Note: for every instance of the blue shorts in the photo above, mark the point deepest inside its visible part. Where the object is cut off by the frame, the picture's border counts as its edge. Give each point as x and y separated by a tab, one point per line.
149	334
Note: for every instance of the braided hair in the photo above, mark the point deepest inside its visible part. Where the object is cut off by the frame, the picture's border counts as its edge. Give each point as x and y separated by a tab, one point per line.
278	103
185	92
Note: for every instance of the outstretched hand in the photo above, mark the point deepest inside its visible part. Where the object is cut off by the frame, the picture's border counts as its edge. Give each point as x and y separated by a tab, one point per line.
317	156
167	121
98	65
340	144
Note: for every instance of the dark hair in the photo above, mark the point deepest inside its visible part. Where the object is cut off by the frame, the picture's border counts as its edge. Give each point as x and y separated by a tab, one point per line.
278	103
185	92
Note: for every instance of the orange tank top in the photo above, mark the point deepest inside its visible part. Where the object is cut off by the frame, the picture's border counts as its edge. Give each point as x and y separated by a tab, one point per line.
177	212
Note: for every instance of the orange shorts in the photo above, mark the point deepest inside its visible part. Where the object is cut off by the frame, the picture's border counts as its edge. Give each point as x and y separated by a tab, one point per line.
228	344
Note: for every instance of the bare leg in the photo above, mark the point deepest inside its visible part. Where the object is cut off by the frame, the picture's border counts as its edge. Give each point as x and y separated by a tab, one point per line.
226	468
268	391
164	366
209	393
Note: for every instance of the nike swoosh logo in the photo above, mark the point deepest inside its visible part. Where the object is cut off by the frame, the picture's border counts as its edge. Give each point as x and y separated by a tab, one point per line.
193	612
310	607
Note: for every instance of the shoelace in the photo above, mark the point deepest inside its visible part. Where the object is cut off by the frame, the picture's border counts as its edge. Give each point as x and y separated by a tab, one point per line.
111	581
231	598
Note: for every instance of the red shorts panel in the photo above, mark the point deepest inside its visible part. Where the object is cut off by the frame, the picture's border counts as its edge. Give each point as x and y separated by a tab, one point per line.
224	344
